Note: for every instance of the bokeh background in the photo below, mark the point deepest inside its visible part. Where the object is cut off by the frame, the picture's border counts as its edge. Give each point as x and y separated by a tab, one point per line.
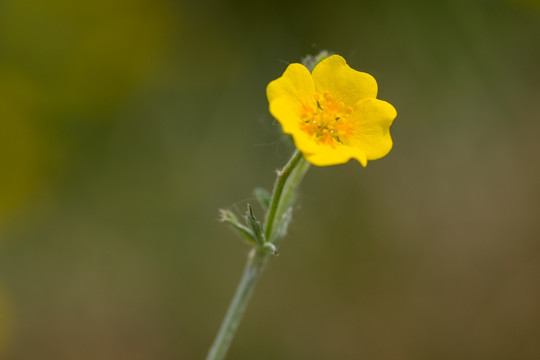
125	125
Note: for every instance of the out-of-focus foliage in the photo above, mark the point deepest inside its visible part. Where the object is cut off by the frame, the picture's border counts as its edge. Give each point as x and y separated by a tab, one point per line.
125	125
4	319
63	64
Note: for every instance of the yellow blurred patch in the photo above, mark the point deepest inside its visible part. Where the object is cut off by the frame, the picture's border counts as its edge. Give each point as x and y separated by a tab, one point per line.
61	62
18	143
84	55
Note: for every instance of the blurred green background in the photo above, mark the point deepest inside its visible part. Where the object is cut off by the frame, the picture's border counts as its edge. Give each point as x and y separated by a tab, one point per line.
125	125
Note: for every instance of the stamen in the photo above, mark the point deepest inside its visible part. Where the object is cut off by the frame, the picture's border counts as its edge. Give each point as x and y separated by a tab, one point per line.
328	122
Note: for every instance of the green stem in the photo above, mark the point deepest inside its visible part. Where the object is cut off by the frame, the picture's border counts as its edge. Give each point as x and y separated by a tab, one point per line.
288	195
281	197
256	261
275	200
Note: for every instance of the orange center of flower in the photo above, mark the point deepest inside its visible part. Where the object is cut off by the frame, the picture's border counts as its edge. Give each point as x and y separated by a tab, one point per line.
328	123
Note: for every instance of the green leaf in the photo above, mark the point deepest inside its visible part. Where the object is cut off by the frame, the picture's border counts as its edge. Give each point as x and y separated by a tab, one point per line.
283	225
263	196
228	217
256	226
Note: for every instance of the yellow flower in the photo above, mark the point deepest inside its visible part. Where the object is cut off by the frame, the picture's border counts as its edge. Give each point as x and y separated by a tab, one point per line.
332	113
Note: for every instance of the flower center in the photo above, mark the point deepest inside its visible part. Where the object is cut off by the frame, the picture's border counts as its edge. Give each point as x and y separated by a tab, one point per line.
329	122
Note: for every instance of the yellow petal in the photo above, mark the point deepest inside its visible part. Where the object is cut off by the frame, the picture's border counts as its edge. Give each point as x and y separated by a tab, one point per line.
295	84
343	83
288	95
303	142
372	118
326	155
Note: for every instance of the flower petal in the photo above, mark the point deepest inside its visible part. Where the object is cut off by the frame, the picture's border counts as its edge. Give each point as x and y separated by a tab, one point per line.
372	118
303	142
295	84
334	76
288	95
286	111
341	154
